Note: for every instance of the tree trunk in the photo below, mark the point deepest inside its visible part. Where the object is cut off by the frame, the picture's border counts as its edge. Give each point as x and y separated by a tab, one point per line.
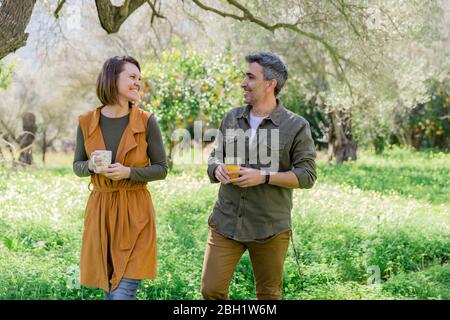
8	141
341	145
170	157
26	139
44	145
112	17
406	137
378	143
14	18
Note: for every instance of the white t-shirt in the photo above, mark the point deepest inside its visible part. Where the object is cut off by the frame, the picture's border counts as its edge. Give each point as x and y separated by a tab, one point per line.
255	121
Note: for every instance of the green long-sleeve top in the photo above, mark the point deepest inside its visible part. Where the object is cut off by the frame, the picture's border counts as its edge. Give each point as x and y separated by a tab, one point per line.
112	130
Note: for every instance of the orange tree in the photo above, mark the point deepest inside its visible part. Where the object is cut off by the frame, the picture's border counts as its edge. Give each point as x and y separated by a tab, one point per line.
431	121
183	87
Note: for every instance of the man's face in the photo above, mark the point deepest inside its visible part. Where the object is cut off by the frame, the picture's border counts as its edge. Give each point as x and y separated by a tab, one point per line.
254	85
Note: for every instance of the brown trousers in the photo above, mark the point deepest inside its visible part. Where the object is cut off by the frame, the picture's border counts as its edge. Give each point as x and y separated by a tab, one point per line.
223	254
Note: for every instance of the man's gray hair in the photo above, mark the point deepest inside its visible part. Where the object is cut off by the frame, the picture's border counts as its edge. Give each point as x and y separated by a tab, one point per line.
273	67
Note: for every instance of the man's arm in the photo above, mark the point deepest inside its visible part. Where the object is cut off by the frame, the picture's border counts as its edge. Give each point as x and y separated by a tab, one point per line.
216	158
286	179
303	155
302	175
249	177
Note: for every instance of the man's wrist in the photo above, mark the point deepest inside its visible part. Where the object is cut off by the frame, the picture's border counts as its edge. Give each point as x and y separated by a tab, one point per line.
265	177
267	180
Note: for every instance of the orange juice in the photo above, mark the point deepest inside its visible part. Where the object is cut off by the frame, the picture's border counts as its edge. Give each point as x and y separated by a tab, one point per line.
232	167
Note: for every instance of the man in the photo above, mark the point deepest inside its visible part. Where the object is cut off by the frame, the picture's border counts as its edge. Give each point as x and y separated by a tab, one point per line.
253	211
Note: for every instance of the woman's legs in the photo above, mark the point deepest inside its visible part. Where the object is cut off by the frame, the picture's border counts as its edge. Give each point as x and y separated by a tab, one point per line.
125	291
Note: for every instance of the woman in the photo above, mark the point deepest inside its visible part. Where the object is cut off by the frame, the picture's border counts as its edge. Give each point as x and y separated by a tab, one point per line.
119	239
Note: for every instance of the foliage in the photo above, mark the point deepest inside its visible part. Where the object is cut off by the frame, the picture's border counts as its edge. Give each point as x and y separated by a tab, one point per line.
433	282
390	49
294	99
430	122
5	74
182	87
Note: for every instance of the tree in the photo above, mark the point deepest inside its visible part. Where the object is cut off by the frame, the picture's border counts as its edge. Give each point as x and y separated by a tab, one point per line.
27	137
429	123
14	18
19	141
182	87
15	15
112	17
386	62
342	44
54	75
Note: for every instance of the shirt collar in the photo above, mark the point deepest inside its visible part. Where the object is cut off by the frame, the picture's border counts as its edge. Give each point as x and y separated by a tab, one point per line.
274	116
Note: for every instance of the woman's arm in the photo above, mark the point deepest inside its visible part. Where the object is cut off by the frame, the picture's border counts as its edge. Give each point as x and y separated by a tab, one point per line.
155	151
80	159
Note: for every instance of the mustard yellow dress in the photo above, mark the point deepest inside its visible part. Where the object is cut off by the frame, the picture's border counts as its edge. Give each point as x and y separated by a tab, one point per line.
119	235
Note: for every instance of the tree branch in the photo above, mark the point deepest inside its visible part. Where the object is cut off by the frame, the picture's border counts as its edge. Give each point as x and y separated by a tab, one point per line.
336	57
155	12
111	17
14	18
59	7
124	8
10	133
216	11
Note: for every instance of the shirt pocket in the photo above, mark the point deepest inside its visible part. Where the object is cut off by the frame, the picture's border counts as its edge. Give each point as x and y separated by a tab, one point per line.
272	153
231	138
234	147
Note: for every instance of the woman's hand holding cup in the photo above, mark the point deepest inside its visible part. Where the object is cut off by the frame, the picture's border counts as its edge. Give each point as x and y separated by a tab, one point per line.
100	161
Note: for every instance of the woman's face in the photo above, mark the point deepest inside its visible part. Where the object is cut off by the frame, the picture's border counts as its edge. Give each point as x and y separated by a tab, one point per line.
129	83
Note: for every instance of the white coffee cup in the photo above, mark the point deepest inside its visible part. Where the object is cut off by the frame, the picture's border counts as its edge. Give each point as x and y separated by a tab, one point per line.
105	157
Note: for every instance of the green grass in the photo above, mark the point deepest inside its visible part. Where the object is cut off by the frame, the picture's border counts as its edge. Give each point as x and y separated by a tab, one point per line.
421	175
386	214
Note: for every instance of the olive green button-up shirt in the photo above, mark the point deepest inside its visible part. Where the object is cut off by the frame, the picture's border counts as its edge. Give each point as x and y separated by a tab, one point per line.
283	143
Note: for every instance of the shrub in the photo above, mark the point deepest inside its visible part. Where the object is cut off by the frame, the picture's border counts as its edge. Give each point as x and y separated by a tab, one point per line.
430	122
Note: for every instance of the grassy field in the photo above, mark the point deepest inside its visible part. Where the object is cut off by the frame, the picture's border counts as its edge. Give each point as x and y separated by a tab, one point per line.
378	228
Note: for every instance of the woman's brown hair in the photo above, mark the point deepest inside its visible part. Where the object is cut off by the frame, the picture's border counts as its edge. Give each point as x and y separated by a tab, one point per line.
107	79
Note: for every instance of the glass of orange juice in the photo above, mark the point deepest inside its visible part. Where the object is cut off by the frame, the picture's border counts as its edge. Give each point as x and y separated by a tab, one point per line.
233	164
